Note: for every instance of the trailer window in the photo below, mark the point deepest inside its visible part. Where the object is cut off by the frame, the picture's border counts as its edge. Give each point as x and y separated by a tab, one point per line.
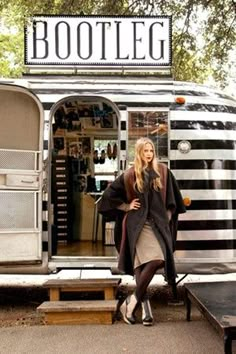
151	124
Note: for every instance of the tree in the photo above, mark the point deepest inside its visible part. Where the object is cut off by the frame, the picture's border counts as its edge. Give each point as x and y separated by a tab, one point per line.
204	31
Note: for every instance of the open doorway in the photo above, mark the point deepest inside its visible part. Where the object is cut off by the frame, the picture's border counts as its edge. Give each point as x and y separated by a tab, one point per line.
84	161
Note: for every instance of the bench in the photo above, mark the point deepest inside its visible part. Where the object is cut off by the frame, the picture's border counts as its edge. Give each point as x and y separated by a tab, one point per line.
217	302
58	286
78	312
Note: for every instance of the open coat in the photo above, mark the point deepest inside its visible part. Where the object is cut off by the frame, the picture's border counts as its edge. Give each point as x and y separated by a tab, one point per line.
129	225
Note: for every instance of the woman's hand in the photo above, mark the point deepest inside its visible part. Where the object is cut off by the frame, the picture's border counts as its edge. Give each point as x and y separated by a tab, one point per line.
169	214
135	204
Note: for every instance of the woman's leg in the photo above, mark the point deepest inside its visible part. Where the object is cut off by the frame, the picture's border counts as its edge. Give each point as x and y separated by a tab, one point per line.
144	275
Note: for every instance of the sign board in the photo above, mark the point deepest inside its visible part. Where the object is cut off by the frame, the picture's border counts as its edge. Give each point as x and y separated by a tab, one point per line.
98	41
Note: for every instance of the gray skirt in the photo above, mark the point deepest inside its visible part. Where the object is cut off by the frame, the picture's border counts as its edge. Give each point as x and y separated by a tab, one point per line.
147	247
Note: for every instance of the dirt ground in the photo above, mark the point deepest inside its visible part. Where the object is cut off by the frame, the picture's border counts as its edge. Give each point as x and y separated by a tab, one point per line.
18	306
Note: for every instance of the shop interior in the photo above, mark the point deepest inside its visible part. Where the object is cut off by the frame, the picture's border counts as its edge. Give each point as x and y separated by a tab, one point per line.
84	162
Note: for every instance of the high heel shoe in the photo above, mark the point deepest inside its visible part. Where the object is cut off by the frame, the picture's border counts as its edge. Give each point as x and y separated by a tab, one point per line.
109	152
127	309
102	157
114	153
95	157
147	317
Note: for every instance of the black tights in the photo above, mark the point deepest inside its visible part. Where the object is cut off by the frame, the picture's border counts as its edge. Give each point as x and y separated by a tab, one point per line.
144	275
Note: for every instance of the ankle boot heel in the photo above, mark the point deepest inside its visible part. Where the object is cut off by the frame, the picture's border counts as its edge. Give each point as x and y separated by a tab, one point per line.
147	317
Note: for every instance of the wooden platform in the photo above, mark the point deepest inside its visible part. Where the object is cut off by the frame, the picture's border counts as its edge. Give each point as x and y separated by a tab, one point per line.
78	312
217	302
57	286
57	311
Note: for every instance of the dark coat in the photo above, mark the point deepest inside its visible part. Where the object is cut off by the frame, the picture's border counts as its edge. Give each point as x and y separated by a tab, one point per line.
154	202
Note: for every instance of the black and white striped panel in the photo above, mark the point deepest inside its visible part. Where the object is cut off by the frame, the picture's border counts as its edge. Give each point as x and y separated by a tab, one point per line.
206	174
45	178
123	137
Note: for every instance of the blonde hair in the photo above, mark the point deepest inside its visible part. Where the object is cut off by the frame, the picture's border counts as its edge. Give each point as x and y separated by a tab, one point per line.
140	166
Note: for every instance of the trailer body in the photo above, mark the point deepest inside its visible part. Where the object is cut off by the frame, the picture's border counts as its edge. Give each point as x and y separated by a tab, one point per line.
193	127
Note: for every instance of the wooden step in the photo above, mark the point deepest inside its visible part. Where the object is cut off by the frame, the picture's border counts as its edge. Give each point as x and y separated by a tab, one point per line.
57	286
78	312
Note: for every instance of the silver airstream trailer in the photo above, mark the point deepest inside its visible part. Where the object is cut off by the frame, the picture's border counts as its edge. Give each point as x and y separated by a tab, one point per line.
62	139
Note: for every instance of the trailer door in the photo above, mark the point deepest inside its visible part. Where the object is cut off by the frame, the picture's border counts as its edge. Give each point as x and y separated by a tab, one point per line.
21	141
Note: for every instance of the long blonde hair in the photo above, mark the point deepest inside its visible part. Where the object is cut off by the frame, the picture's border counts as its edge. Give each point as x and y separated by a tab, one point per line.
140	166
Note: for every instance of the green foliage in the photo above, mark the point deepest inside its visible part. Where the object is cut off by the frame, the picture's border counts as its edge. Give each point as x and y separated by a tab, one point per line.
11	53
204	31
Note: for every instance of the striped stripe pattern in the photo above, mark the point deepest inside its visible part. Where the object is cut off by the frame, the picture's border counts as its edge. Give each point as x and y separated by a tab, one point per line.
123	138
206	174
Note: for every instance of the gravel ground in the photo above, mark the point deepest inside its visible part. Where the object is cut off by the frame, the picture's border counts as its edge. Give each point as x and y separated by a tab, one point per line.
18	306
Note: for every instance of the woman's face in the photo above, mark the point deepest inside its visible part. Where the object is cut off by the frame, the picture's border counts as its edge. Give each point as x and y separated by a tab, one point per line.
148	153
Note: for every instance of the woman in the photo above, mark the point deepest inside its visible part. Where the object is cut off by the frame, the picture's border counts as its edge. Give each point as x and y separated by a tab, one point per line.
146	202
